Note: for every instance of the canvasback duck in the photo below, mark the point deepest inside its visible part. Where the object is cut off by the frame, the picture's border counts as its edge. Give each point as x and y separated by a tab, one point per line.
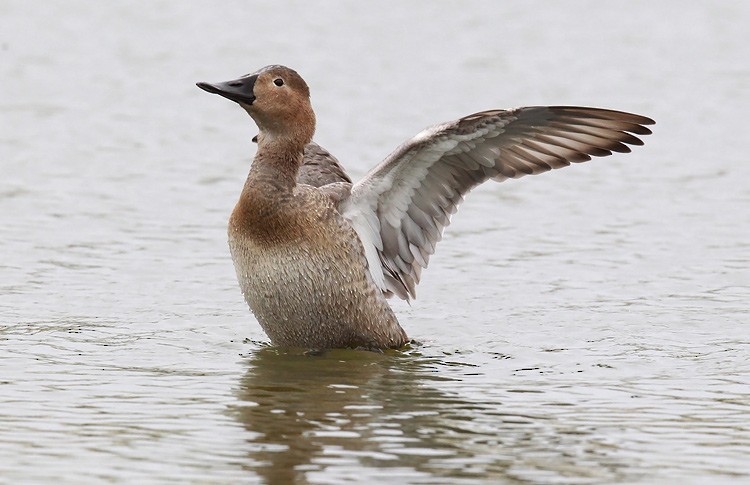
316	256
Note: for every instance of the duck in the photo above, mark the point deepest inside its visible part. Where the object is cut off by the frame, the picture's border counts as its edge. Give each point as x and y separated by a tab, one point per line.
317	256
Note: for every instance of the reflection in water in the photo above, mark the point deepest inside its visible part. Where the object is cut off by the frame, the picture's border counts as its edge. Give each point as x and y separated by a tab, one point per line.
352	413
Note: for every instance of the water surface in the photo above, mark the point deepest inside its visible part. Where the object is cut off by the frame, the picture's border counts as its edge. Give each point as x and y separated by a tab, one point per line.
586	326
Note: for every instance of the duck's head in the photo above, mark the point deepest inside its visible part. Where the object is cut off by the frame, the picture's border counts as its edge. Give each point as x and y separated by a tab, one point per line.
277	98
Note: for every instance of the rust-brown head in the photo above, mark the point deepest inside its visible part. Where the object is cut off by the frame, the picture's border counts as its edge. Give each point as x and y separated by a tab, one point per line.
277	98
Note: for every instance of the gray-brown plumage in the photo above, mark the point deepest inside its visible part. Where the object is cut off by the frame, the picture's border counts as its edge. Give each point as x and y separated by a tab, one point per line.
320	168
316	256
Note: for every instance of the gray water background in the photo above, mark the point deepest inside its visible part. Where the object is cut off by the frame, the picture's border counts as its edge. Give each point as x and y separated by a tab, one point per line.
585	326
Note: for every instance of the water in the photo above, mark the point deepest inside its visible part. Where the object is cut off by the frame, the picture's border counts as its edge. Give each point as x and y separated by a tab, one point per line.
584	326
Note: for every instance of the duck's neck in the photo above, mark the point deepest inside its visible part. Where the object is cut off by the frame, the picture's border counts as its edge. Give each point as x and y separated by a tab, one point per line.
275	165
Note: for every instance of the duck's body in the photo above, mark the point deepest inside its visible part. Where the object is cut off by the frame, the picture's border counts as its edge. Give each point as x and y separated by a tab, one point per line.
303	271
316	256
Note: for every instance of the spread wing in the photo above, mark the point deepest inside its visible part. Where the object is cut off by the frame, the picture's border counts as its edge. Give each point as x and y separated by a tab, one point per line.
401	207
320	168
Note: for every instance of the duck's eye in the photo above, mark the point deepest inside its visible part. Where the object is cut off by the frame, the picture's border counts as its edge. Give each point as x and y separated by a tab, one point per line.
278	81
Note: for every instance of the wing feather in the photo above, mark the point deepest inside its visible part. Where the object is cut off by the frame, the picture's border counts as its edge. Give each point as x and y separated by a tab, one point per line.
401	207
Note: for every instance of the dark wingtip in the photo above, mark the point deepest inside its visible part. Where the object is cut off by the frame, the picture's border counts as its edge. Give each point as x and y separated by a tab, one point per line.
644	130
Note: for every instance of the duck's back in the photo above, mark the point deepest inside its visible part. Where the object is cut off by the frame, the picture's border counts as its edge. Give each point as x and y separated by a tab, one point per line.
320	167
303	272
